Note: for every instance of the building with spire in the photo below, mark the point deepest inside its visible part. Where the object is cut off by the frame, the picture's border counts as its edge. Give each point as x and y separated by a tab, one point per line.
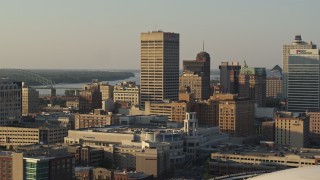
196	76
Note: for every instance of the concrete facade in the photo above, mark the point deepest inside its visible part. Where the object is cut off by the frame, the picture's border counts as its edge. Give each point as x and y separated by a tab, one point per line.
292	129
30	100
127	92
15	136
236	115
159	79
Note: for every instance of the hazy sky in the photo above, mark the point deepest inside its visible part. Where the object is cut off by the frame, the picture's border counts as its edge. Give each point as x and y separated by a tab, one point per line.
105	34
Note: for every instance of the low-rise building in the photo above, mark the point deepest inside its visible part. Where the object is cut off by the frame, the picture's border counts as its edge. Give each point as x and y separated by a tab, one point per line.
87	156
60	119
268	130
314	123
175	111
102	173
84	173
96	119
49	167
29	133
127	92
292	129
124	175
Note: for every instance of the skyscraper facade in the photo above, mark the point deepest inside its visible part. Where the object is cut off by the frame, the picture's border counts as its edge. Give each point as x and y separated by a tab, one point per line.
236	115
229	77
303	80
196	76
10	102
30	100
296	44
159	78
274	83
252	84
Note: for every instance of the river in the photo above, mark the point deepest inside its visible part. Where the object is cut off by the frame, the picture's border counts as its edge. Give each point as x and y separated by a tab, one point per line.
62	87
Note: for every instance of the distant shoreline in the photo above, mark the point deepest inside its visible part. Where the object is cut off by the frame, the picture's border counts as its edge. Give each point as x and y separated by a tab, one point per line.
73	76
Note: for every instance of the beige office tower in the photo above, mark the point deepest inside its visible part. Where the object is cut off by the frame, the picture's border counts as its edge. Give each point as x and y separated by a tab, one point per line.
30	100
296	44
159	79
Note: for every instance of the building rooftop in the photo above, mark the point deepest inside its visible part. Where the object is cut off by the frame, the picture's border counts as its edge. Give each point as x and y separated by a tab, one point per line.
305	173
81	168
273	152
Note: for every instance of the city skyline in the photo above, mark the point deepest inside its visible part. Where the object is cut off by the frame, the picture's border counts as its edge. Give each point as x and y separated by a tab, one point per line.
86	35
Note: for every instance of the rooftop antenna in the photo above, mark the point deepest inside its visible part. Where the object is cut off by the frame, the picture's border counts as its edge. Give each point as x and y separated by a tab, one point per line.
202	45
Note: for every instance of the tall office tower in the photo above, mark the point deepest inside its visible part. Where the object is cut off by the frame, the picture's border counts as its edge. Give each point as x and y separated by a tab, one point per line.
229	77
303	80
252	84
274	83
159	77
196	76
10	102
30	100
296	44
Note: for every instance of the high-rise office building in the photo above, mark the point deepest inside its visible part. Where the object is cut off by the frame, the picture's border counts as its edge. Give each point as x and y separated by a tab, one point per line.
30	100
10	102
296	44
274	83
229	77
252	84
159	67
303	80
196	76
